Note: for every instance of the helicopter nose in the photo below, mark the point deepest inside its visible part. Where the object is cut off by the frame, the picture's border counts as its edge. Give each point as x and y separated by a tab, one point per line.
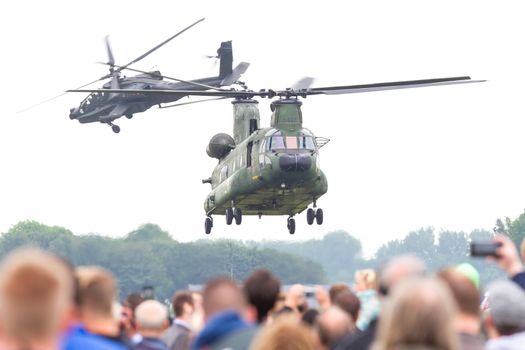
73	113
295	162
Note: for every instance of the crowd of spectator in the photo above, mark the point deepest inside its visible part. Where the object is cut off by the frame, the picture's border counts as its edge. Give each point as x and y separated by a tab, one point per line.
47	304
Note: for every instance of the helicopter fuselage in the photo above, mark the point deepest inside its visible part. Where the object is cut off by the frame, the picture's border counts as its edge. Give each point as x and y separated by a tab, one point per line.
105	107
272	172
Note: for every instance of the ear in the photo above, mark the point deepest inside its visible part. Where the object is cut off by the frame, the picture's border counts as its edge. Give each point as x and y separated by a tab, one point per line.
250	313
488	323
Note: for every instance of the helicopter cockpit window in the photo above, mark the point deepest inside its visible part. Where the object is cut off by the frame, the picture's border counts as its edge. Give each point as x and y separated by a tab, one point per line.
307	142
276	143
291	142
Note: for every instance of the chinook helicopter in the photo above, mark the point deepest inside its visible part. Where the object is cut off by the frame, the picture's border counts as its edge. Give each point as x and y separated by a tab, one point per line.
273	170
104	106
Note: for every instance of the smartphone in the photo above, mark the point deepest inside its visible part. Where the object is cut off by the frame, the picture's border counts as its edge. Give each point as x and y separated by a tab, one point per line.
487	248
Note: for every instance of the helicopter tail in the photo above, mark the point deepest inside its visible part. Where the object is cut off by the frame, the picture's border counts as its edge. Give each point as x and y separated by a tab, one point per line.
225	55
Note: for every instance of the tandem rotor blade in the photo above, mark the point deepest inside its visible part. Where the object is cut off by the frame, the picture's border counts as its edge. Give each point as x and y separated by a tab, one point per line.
336	90
329	90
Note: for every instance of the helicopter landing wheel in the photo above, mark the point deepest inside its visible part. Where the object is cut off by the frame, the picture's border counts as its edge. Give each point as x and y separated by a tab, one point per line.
129	116
208	224
115	128
310	216
237	215
319	216
229	216
291	225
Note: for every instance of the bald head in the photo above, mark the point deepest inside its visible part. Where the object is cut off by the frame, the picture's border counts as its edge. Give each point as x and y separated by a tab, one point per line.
151	315
399	269
333	323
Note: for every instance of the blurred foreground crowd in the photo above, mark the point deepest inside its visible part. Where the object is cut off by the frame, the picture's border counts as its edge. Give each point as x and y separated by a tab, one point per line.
45	303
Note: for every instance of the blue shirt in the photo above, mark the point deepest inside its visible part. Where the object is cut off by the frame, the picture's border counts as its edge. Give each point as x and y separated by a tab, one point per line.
78	338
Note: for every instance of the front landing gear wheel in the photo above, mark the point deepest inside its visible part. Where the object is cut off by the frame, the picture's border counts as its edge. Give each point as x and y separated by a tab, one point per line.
291	225
237	215
208	224
229	216
115	128
310	216
319	216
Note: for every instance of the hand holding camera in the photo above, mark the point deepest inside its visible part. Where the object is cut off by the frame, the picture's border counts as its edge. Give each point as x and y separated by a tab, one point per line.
502	250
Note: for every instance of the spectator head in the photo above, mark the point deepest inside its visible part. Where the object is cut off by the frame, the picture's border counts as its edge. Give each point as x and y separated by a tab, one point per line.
127	313
183	305
419	312
295	297
36	297
333	324
285	333
400	268
261	290
464	292
151	317
221	294
337	288
506	302
365	279
350	303
97	291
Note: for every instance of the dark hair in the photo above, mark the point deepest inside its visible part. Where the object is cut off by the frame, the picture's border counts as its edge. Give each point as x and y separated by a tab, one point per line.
261	290
350	303
179	299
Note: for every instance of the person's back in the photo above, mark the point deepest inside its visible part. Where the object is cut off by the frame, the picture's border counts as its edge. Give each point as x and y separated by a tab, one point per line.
179	335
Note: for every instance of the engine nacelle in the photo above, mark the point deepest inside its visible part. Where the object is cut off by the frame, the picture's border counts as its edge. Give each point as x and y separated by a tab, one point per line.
220	145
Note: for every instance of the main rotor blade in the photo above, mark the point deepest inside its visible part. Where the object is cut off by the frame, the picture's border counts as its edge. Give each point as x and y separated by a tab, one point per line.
111	59
193	102
53	98
160	45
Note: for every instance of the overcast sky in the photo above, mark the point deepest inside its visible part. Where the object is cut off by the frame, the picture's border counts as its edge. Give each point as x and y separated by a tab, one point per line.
448	157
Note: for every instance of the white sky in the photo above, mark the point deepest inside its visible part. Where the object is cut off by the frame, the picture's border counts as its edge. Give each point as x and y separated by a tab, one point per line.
449	157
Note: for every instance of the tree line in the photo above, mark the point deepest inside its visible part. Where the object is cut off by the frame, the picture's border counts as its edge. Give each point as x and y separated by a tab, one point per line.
150	256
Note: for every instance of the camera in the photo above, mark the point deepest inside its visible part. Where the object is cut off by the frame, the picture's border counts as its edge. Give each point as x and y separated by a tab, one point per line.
487	248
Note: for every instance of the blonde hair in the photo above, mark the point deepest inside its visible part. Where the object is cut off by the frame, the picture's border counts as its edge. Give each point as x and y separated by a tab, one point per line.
36	293
419	312
285	333
366	277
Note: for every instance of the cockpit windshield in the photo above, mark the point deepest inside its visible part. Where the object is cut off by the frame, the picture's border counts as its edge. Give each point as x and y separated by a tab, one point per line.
92	99
276	142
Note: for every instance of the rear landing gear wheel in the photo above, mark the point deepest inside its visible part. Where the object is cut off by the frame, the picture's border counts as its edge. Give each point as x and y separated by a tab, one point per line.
291	225
229	216
310	216
115	128
237	215
319	216
208	224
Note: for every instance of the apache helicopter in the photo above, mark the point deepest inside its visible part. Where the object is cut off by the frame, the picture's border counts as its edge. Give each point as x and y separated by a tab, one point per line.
104	106
273	170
